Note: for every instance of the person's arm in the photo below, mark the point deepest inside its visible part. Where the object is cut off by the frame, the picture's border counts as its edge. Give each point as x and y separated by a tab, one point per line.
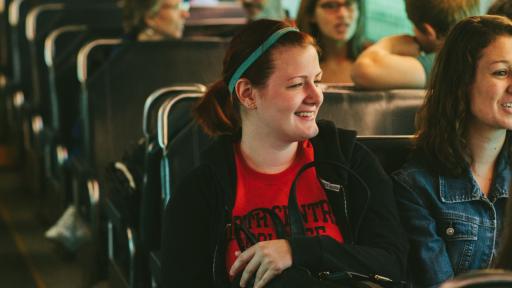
381	247
186	235
431	263
390	63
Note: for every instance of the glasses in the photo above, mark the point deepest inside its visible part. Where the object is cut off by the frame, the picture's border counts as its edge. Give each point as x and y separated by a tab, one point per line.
333	6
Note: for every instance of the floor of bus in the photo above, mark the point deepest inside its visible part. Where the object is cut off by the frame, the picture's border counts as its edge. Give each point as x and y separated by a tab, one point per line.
27	258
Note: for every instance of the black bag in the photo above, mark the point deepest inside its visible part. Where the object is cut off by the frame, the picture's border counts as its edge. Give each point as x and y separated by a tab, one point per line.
297	276
124	181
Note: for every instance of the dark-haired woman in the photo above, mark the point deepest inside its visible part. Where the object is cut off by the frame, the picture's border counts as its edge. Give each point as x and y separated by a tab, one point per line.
263	111
453	191
337	26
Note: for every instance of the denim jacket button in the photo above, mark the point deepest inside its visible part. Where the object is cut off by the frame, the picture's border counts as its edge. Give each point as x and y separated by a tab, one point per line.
450	231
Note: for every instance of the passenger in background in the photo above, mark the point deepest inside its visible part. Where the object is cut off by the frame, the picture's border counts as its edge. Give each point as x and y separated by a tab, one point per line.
336	25
264	9
152	20
452	192
404	61
264	111
501	7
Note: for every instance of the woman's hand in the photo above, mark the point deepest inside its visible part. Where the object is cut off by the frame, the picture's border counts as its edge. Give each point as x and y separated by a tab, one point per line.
267	259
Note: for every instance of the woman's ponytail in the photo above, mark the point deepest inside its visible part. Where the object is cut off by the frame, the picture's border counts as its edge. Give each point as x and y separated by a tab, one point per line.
217	112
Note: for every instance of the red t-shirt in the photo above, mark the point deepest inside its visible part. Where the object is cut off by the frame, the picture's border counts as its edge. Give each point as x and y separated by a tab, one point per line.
258	190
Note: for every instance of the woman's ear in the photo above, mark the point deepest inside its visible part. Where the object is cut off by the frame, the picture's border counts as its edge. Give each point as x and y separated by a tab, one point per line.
430	32
245	93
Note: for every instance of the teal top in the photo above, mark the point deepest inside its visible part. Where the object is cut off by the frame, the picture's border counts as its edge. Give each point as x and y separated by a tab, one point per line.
427	61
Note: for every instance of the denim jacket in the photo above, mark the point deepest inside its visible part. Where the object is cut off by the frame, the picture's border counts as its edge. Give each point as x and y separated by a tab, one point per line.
452	227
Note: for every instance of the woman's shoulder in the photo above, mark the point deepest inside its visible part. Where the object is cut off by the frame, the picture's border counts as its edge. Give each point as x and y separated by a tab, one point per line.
416	172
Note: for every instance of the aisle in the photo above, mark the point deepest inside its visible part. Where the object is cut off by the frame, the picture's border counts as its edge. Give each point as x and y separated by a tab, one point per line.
14	271
27	258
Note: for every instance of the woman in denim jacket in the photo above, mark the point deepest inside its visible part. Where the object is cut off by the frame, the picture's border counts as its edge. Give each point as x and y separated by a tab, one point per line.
452	192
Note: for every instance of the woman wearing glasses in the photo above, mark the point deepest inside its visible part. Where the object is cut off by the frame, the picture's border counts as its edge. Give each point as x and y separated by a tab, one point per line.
336	25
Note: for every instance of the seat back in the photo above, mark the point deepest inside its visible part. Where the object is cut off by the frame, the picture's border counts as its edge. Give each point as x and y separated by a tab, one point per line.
90	58
157	99
182	141
391	151
61	92
220	11
44	19
213	27
4	39
17	12
117	92
151	190
222	20
372	112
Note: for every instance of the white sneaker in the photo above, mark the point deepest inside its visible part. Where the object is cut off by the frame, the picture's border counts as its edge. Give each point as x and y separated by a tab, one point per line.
70	230
63	223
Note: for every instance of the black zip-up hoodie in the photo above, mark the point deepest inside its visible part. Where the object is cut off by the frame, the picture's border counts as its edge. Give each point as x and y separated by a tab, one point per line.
194	231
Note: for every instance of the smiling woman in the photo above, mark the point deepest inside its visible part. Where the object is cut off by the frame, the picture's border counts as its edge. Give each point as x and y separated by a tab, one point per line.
452	193
264	111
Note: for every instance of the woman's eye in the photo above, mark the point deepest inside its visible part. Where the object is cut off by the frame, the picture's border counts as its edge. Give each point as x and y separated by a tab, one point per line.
296	85
501	73
317	82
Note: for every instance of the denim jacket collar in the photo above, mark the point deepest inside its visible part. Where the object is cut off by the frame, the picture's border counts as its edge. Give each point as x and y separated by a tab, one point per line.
453	190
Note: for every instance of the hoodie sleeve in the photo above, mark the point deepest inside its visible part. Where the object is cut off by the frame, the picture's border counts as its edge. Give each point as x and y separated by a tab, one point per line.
186	235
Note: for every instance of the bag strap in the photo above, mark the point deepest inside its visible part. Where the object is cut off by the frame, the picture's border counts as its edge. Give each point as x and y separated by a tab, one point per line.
241	227
296	222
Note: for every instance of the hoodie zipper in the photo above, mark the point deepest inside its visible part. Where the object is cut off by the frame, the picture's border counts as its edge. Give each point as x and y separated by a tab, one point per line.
345	209
215	262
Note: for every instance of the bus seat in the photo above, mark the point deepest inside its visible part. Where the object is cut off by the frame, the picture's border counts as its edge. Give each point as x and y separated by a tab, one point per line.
372	112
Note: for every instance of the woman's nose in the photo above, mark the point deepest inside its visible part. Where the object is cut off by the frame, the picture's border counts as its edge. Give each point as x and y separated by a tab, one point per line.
315	94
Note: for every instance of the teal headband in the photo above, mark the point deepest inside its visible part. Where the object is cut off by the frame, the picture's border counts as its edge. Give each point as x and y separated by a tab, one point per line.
257	54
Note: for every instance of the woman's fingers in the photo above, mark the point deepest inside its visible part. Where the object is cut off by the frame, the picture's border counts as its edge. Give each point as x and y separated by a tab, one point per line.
261	272
241	261
251	268
264	260
269	275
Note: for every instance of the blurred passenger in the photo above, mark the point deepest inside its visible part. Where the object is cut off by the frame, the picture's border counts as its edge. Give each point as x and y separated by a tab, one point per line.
501	7
335	24
404	61
263	111
453	191
264	9
151	20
